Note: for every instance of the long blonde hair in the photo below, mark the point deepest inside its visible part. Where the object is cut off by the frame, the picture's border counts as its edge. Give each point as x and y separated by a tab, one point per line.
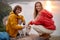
35	11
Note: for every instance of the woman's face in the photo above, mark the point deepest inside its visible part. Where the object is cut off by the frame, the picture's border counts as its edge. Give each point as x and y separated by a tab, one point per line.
18	10
38	7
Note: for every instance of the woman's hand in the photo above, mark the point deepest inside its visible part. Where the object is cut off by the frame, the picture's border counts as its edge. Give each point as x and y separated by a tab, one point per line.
28	24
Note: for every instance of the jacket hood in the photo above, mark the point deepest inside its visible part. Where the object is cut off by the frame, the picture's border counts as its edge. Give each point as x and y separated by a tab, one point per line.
46	13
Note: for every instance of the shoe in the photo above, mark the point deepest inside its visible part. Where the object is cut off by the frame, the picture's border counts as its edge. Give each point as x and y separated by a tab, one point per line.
45	36
13	39
47	39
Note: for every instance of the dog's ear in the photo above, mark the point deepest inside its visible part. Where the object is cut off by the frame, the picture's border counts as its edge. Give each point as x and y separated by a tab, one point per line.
29	27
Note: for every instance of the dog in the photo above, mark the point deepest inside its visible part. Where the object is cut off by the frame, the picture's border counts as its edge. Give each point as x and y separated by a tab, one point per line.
25	32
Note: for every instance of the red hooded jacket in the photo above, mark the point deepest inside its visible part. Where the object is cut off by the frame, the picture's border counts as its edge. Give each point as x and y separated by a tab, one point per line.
44	18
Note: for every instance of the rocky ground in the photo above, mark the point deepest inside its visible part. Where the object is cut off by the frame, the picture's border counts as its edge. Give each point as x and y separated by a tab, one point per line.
35	37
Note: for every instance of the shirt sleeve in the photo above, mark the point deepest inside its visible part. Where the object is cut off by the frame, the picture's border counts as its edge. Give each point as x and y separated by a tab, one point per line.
14	24
22	18
37	20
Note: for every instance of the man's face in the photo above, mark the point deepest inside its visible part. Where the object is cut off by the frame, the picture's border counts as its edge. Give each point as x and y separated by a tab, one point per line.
18	10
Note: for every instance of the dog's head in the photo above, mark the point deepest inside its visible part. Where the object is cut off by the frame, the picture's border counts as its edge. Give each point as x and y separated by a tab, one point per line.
28	27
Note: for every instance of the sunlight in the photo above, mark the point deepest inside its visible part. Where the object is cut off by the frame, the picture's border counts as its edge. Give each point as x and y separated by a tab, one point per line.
48	5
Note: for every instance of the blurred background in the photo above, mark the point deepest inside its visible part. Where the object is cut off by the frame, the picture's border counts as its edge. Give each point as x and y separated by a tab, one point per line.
28	9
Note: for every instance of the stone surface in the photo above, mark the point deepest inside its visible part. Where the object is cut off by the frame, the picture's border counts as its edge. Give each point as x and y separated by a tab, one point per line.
35	37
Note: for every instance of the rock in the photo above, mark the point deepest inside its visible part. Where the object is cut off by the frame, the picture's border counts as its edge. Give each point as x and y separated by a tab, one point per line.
36	37
31	37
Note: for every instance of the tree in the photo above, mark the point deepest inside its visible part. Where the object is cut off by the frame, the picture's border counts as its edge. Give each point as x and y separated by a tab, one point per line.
4	11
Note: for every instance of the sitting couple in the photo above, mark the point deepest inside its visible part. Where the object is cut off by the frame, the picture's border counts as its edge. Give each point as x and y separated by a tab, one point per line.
42	22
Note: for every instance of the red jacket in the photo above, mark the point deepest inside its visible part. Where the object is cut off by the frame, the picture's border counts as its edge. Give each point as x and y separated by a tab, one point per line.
44	18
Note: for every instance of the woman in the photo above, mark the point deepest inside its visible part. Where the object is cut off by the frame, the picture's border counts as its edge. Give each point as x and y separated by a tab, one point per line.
43	22
12	26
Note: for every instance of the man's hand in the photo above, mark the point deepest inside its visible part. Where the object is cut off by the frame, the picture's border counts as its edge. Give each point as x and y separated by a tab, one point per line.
23	26
24	23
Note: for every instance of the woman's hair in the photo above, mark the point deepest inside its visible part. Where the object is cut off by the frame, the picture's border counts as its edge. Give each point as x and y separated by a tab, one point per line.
35	11
17	6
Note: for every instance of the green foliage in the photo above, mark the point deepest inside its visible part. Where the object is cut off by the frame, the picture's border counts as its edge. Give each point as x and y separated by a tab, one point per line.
2	28
4	11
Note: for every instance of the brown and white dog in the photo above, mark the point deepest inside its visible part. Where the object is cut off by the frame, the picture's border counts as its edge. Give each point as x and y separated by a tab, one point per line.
24	32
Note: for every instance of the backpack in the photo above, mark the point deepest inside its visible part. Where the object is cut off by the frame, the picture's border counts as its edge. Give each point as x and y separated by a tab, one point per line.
4	36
